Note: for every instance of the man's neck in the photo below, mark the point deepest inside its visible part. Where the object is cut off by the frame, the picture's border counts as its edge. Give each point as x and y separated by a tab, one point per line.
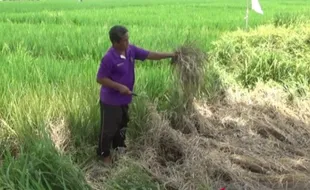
121	52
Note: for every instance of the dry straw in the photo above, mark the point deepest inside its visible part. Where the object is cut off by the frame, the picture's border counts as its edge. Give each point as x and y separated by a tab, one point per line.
262	145
190	68
188	79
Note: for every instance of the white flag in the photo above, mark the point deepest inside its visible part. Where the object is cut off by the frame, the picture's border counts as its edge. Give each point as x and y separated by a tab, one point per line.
256	6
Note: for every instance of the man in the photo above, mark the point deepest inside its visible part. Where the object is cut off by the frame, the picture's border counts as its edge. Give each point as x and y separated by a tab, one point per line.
117	77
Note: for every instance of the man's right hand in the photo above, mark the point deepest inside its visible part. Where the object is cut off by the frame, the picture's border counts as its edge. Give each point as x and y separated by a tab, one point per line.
117	86
124	90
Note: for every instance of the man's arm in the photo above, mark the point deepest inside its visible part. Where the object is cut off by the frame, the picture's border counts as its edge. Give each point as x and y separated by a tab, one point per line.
142	54
114	85
109	83
159	55
104	73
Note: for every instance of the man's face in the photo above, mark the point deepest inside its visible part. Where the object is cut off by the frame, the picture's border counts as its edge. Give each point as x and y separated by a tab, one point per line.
124	42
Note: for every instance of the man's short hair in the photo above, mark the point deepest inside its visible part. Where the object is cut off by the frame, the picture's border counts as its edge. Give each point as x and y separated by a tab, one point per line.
117	32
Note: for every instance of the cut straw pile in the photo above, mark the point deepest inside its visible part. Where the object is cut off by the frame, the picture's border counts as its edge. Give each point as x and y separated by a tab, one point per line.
247	141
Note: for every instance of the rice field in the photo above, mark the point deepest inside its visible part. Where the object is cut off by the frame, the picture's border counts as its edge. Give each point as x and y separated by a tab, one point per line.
49	111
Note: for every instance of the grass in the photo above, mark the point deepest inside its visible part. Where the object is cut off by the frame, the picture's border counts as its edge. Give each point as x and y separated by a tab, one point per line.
269	53
50	51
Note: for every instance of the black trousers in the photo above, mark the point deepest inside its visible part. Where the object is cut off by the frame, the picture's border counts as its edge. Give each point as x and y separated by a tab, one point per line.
114	121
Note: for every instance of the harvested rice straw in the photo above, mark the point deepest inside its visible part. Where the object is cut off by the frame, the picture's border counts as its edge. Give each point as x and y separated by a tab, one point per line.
189	69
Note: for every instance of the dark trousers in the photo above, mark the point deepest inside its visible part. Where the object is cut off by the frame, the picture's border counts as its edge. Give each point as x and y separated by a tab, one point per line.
114	120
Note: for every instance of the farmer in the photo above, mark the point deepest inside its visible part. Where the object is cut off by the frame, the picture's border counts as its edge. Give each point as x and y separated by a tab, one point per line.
116	75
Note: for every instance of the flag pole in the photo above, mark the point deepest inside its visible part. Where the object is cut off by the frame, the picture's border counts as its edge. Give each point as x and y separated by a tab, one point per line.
247	15
256	7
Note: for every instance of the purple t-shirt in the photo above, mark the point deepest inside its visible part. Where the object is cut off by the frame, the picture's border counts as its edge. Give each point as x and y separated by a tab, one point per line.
119	69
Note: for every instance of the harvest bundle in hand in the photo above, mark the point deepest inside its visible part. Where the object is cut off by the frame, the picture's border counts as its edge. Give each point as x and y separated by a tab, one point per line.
189	70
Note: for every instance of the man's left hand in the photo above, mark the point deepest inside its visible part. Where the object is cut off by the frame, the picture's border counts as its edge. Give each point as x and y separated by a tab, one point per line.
175	56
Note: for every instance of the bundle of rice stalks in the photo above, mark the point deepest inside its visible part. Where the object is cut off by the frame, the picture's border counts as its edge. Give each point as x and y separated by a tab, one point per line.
189	77
189	69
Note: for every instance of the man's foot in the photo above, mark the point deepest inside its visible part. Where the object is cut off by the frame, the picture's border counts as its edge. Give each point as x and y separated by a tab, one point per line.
107	161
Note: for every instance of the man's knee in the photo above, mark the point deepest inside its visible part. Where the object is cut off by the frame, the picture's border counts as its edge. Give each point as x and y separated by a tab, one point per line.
125	116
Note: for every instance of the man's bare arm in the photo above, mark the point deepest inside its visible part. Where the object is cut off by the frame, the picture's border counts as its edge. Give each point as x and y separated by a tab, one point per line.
109	83
114	85
160	55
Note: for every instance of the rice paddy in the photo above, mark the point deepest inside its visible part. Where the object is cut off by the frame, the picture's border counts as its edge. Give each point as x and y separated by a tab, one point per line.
246	124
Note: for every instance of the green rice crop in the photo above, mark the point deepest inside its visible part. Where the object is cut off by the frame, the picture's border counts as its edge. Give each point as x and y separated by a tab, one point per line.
49	56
